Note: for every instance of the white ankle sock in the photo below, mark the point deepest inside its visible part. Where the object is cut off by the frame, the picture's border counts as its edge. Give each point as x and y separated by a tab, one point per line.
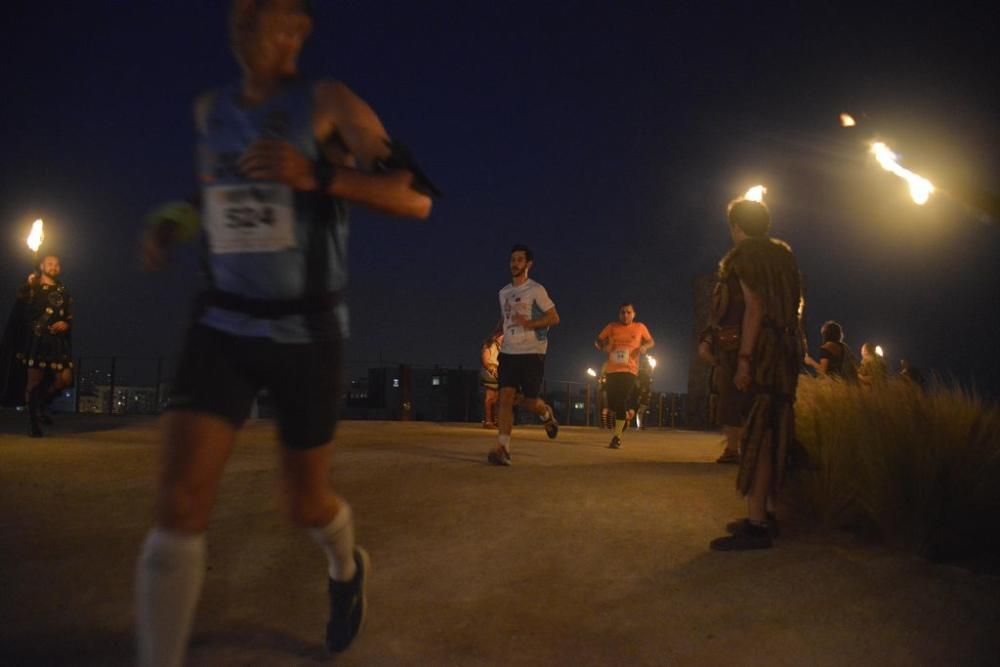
337	540
504	441
169	577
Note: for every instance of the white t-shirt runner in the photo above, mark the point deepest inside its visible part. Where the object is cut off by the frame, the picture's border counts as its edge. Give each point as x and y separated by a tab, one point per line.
532	301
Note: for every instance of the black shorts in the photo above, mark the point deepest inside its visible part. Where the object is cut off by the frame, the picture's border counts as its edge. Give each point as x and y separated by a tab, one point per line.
222	374
621	393
523	372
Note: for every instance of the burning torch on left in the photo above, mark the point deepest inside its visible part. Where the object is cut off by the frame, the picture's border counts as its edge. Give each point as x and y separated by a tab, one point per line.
35	239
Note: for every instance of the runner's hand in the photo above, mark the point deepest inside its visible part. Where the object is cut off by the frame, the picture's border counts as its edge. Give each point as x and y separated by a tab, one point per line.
279	161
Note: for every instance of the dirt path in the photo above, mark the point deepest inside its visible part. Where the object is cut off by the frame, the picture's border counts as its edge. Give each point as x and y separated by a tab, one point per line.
577	555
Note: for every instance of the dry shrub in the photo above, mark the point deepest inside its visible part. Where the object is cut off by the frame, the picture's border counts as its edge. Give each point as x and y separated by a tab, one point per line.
920	469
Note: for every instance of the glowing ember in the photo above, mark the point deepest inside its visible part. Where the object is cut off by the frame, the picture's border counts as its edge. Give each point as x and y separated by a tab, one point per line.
652	362
920	187
878	351
37	235
847	120
756	193
591	372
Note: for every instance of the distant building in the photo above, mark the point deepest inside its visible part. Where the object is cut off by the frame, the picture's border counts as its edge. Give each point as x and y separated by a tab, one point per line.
127	400
409	393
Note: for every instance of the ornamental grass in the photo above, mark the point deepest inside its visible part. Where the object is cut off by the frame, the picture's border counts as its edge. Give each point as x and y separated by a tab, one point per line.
918	469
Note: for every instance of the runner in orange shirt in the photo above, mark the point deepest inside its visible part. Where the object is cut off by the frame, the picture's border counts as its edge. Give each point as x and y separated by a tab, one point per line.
623	341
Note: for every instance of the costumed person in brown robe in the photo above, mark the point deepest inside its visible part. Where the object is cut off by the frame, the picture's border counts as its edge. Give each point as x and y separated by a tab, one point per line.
760	294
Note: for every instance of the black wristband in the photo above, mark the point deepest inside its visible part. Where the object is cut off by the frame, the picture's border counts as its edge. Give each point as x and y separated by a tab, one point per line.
324	173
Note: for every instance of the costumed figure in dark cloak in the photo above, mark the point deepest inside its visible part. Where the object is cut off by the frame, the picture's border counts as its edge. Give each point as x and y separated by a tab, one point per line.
759	277
36	353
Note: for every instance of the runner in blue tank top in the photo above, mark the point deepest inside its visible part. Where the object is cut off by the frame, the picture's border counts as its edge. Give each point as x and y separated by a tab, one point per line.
278	161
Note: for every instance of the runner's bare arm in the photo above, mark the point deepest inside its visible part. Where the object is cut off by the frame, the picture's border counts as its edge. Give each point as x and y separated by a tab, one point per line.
341	112
173	221
549	318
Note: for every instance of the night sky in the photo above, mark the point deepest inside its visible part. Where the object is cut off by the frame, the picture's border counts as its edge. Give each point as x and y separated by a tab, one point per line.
607	135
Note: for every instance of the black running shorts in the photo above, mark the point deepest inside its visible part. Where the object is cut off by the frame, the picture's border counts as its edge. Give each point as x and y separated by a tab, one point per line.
221	374
621	393
523	372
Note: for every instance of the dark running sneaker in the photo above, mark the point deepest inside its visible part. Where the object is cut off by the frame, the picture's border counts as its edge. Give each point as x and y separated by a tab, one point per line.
551	426
728	457
499	457
615	443
773	529
347	605
746	537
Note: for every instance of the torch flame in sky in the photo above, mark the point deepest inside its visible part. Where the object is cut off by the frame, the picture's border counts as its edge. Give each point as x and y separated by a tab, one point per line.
847	120
37	235
756	193
920	187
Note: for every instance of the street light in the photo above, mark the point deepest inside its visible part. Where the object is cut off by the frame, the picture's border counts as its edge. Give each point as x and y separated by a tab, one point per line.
879	351
652	362
592	373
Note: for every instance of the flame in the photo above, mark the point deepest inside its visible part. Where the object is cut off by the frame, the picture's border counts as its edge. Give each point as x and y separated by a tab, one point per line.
37	235
878	351
591	372
756	193
847	120
920	187
652	362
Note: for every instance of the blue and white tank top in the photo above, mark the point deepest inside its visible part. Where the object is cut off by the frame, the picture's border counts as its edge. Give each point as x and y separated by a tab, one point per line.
258	232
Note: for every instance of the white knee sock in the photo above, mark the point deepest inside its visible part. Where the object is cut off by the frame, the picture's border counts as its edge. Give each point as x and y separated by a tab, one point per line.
337	540
169	577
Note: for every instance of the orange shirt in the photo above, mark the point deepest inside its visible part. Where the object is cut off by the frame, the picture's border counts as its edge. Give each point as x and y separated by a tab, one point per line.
623	355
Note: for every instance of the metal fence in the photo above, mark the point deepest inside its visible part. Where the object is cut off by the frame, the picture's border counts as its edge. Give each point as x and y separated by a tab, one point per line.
140	385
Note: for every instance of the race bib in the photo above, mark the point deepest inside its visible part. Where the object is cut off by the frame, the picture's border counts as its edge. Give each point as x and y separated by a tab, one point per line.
515	332
620	356
250	218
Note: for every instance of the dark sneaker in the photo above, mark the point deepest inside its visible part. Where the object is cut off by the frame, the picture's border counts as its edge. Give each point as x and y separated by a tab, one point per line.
551	426
728	457
773	529
615	443
35	428
499	457
348	605
746	537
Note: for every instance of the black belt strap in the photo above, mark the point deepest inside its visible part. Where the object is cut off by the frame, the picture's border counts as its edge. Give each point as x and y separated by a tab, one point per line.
269	309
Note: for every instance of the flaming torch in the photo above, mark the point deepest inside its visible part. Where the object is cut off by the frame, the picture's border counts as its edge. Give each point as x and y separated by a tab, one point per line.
920	187
35	239
756	193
